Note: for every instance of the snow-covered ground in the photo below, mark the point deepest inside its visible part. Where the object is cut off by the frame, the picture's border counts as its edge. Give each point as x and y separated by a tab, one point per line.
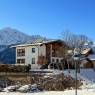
87	75
67	92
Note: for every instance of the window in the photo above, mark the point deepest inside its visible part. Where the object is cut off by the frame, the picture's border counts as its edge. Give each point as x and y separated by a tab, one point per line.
33	50
62	60
20	61
20	52
53	60
33	60
57	60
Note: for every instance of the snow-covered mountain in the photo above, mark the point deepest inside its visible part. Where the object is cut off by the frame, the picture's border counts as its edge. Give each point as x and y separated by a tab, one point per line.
10	36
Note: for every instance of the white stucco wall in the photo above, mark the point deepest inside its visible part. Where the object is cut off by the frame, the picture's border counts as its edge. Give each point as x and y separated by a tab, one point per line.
39	50
29	55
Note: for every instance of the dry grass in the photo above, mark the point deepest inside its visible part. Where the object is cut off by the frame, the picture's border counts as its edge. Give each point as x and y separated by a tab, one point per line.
50	83
22	78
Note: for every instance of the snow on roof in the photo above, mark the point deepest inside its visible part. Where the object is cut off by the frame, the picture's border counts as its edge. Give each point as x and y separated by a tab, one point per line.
86	44
51	41
92	57
23	45
36	44
85	51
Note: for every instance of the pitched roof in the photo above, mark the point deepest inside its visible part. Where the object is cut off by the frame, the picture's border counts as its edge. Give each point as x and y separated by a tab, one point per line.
38	43
84	52
23	45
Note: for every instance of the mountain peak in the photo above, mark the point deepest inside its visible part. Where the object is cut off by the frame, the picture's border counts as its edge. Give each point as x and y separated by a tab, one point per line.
7	28
10	36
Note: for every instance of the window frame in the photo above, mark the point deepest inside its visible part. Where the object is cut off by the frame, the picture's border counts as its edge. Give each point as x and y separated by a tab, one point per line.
53	60
62	60
21	52
57	60
21	61
33	61
33	50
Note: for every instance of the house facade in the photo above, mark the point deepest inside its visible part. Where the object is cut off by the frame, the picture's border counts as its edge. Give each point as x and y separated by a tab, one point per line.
89	61
38	54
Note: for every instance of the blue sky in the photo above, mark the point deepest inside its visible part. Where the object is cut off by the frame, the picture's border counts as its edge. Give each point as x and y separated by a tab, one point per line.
49	17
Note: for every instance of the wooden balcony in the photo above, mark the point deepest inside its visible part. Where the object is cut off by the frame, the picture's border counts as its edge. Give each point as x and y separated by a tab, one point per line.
42	60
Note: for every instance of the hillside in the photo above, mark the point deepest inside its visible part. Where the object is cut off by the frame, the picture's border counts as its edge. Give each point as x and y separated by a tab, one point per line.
9	36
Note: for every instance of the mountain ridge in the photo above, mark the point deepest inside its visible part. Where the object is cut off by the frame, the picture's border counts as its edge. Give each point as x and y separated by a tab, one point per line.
10	36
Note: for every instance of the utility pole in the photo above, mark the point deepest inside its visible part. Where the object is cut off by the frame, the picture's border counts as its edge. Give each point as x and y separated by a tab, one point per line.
76	58
75	77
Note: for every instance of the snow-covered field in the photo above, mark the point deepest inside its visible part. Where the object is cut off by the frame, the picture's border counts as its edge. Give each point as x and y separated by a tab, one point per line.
87	75
67	92
84	90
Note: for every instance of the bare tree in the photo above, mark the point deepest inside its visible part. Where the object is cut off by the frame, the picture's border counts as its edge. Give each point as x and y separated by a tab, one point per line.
74	41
